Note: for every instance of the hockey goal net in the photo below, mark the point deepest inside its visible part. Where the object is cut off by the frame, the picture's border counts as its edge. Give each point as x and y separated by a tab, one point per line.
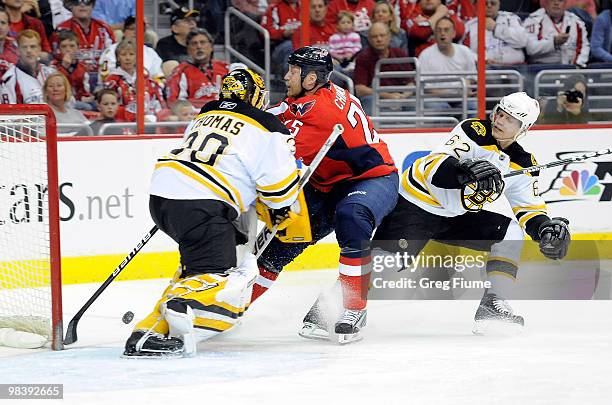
30	275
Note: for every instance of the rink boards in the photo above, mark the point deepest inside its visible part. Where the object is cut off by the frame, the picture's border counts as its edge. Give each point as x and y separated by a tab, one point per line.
104	198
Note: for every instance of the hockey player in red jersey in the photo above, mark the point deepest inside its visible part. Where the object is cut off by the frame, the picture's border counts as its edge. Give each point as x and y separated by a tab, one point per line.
351	191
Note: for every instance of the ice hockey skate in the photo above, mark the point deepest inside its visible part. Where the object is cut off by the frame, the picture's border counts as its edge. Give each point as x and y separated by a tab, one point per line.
316	324
495	316
143	344
349	325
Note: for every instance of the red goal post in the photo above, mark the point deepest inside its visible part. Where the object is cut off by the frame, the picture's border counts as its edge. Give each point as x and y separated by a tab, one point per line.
30	258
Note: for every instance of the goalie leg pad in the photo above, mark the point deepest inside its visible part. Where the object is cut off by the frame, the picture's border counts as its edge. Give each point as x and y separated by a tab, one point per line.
154	322
180	319
217	300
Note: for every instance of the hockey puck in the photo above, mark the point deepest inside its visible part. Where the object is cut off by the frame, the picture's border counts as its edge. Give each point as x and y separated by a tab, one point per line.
127	317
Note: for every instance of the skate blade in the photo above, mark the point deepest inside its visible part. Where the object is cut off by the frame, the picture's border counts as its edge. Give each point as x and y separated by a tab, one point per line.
311	331
153	356
344	339
496	328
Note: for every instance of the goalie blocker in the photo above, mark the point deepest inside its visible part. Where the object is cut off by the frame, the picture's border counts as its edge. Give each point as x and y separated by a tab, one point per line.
292	223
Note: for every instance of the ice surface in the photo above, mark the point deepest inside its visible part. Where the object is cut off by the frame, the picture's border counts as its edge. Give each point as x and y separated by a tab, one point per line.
414	352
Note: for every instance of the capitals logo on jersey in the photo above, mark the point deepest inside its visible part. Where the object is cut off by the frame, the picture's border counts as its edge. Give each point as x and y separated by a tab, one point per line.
206	90
300	110
357	154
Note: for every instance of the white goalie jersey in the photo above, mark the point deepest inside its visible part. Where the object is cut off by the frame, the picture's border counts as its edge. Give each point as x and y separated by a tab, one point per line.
234	153
421	182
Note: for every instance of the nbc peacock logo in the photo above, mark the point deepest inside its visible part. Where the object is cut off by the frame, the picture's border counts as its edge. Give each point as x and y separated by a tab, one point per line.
580	183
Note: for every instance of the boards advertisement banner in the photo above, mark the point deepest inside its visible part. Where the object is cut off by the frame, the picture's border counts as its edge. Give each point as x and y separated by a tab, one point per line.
104	189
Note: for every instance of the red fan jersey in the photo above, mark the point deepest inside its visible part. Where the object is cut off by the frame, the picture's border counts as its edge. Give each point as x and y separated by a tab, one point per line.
91	44
77	76
357	154
198	84
280	17
8	50
361	9
464	9
31	23
125	86
421	33
319	36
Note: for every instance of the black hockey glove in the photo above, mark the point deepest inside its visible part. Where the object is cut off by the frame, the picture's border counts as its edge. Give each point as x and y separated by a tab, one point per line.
278	215
554	238
482	172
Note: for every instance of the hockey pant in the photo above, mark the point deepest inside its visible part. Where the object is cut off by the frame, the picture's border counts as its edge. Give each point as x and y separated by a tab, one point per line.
353	210
204	230
208	284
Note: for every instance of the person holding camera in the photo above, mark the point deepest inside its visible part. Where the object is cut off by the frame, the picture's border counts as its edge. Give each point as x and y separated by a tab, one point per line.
571	106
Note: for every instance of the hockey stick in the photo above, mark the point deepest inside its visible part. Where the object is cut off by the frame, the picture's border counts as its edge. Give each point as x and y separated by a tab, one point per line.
71	331
578	158
265	235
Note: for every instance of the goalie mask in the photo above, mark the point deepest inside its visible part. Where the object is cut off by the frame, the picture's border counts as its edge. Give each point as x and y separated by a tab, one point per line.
244	85
521	107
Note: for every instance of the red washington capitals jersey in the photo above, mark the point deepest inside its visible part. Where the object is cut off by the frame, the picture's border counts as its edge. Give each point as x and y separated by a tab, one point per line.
357	154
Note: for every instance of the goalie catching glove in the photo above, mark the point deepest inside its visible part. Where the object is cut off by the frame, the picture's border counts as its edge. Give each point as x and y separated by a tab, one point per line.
554	238
293	222
483	173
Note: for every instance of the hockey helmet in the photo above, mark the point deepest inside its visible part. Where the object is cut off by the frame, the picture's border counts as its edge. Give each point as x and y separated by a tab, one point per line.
520	106
313	59
244	85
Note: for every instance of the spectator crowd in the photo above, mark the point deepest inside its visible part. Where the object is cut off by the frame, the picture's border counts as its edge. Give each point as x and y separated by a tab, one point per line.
441	35
79	56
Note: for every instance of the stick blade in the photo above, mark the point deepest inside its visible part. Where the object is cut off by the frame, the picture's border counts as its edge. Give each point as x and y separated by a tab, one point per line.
71	332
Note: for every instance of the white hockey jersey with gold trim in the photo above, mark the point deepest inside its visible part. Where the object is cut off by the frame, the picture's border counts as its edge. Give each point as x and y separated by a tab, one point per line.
231	152
472	139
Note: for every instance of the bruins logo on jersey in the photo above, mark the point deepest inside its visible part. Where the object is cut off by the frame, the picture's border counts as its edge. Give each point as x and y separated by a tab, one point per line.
479	128
473	200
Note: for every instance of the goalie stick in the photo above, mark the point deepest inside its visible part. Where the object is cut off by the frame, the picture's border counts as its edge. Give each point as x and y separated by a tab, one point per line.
265	235
71	330
578	158
262	241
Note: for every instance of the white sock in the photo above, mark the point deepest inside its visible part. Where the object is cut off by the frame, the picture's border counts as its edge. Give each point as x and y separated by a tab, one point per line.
501	285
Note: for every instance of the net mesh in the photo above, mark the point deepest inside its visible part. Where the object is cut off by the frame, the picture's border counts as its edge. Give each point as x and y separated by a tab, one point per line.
25	268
